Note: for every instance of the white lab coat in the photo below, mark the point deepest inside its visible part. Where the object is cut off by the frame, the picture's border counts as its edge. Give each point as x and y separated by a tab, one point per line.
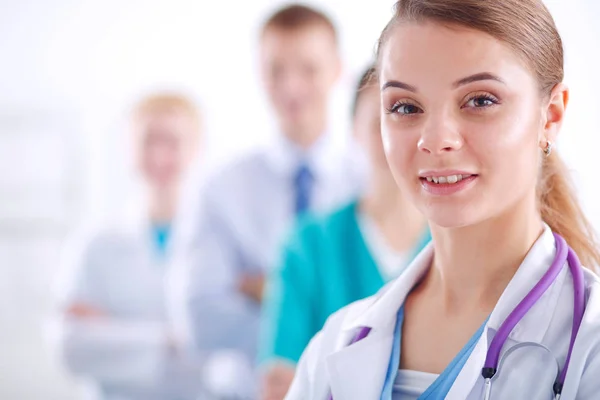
117	270
357	372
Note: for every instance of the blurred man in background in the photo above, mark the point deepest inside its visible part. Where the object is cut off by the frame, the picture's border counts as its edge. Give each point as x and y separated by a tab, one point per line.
245	211
114	328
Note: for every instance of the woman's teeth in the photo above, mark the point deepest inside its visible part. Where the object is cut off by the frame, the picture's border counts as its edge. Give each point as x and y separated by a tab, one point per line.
447	179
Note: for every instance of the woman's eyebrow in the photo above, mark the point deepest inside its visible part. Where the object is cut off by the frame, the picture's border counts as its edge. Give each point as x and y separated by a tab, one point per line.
482	76
399	85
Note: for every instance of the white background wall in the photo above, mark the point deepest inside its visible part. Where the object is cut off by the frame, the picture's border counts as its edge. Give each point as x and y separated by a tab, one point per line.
70	69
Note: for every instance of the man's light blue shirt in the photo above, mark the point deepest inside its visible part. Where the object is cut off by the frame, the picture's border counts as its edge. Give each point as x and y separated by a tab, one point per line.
242	216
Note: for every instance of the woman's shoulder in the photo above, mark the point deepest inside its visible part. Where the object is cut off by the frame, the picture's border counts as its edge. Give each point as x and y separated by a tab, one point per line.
345	316
592	297
592	292
588	336
585	361
333	336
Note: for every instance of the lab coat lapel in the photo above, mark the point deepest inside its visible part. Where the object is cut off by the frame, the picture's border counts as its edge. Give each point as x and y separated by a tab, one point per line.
470	375
358	371
530	329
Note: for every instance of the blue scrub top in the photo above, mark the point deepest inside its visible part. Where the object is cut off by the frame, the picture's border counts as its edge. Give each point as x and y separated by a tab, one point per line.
441	386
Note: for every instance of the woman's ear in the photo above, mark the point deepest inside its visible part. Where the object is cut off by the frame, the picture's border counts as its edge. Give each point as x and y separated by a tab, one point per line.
555	113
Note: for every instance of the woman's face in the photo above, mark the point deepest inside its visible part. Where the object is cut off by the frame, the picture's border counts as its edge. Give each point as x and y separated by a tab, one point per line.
165	146
367	127
462	122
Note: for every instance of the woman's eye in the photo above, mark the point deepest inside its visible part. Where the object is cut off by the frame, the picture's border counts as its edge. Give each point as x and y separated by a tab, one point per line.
481	102
405	109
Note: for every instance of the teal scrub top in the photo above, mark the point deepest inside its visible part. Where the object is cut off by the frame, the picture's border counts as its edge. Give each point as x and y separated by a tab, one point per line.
325	265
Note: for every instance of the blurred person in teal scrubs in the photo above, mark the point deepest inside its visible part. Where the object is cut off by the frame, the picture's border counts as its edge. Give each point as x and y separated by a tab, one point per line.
333	259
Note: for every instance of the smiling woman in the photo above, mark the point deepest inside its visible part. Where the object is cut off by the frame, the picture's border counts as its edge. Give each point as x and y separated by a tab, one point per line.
491	92
472	102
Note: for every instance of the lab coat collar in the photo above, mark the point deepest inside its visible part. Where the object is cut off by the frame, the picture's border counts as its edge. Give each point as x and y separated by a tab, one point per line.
350	377
382	312
285	157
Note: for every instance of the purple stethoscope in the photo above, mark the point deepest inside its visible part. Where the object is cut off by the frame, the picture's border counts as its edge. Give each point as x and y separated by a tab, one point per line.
564	254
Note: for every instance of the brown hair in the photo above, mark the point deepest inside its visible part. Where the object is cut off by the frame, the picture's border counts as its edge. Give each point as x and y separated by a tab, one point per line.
168	102
297	16
529	29
367	79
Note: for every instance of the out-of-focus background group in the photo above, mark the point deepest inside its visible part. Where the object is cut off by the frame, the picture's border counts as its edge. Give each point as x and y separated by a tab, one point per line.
188	189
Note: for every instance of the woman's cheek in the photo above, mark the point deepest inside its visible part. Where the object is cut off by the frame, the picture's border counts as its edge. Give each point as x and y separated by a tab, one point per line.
385	139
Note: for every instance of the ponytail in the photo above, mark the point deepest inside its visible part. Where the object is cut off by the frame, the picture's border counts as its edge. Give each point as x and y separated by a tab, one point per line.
561	211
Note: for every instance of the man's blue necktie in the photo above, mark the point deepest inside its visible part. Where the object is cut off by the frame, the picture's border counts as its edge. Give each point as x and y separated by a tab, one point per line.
303	185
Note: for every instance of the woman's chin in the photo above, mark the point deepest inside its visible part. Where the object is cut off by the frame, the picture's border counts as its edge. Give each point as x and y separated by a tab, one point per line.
450	219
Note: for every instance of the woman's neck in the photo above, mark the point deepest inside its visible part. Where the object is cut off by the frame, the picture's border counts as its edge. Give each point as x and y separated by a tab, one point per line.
473	265
400	223
163	205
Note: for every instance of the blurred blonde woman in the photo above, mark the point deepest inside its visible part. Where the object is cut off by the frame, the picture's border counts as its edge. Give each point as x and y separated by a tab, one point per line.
114	330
